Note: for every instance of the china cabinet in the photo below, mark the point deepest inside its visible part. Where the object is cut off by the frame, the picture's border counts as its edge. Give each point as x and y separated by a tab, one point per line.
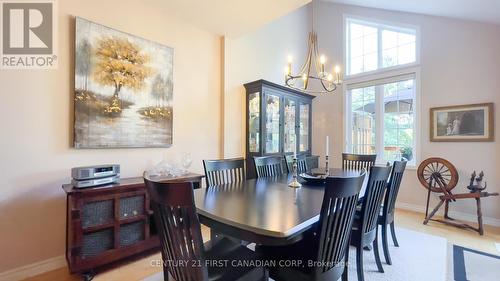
278	122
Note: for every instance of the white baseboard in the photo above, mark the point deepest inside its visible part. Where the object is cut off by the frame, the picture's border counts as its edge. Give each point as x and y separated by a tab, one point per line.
33	269
454	214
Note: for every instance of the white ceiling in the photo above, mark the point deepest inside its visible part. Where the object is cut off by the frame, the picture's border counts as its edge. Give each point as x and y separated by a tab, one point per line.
237	17
478	10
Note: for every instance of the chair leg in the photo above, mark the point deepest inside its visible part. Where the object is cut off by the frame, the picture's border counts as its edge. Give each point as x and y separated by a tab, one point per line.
377	255
346	265
213	235
359	263
393	233
385	244
166	276
266	275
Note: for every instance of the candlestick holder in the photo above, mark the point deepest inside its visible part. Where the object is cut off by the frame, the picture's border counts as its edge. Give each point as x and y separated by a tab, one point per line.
294	183
327	172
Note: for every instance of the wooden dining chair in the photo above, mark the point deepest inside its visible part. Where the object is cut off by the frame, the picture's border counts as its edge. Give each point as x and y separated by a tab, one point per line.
387	215
358	161
224	171
183	252
301	163
268	166
327	245
364	231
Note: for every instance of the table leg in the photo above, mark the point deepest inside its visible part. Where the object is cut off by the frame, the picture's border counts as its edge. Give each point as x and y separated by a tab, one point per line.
479	216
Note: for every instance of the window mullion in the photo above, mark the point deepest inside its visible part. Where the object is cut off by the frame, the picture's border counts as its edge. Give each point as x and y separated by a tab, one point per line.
379	49
379	121
348	131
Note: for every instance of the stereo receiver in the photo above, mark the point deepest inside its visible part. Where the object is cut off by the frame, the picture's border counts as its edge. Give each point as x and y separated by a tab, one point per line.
95	175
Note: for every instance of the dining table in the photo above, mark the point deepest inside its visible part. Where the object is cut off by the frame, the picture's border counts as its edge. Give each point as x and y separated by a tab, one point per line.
265	211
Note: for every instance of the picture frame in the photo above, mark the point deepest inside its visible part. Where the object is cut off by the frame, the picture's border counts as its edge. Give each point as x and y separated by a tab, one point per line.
462	123
123	89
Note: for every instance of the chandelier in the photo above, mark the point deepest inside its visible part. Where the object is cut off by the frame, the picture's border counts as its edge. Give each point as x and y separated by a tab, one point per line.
312	77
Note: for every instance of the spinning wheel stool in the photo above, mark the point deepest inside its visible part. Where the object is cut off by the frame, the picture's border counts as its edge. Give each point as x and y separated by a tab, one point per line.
440	176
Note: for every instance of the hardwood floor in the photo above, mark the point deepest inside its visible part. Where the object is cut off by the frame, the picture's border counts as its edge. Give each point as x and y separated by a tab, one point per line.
141	268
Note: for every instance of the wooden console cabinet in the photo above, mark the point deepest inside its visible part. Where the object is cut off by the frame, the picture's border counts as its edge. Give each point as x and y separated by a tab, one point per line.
109	223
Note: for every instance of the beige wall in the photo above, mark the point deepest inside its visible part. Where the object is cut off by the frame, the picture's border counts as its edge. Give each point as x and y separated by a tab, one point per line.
260	54
36	124
460	64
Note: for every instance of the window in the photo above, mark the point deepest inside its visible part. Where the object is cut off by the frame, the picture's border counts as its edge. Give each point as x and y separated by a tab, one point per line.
381	112
372	46
381	118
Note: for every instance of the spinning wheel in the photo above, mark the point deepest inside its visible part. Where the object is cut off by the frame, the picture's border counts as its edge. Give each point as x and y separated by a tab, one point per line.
440	176
437	175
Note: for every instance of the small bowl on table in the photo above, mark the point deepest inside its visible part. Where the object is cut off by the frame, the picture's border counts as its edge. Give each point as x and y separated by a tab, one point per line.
314	178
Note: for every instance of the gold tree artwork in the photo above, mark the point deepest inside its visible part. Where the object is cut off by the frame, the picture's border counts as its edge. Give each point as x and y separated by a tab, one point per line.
120	63
123	89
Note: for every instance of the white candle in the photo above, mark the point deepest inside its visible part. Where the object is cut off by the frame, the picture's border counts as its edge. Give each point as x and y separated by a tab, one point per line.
327	145
295	146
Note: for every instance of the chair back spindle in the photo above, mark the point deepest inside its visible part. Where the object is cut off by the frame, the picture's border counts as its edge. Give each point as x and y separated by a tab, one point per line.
179	229
358	161
301	163
268	166
218	172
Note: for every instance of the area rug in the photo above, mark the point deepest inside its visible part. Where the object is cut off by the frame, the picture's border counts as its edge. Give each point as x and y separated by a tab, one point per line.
471	265
419	257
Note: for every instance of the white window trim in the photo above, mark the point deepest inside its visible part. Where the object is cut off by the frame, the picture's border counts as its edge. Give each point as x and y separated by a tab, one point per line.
387	25
380	76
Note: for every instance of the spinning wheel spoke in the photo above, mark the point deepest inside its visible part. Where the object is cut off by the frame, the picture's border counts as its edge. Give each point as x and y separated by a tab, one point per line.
441	168
427	173
433	167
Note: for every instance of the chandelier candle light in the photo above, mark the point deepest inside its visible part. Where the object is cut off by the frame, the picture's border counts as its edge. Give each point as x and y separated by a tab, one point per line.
312	77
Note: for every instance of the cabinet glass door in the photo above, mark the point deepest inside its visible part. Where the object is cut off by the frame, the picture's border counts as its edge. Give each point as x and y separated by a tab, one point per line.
290	134
272	140
304	110
254	122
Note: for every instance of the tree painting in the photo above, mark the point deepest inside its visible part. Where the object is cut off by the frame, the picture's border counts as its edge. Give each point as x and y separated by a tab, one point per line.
123	89
120	64
82	62
159	88
161	91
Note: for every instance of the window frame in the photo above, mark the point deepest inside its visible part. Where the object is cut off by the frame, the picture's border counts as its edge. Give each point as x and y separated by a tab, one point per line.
373	79
386	25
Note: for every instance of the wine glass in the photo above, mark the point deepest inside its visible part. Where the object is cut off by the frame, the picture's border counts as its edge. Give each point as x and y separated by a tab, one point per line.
186	161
